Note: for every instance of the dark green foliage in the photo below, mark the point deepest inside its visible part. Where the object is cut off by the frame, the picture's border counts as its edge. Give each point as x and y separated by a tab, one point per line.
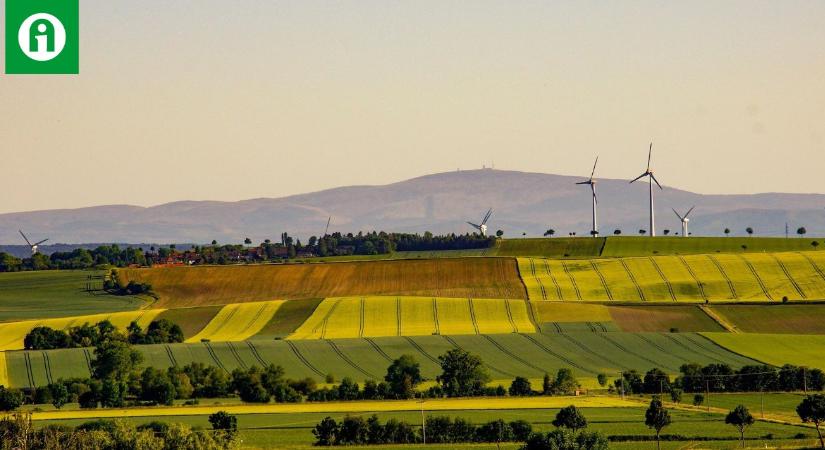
571	418
59	393
45	338
156	387
740	418
462	374
812	410
159	332
224	421
566	440
520	387
656	381
10	399
403	375
657	417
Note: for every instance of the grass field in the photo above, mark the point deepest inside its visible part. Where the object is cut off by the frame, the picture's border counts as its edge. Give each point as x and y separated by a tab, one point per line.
662	318
588	353
12	334
353	317
691	278
445	277
191	320
55	293
781	318
677	245
551	248
293	430
238	321
775	349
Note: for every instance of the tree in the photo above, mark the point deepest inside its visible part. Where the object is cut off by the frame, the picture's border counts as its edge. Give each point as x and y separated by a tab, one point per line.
326	432
657	418
698	399
499	233
740	418
812	409
60	395
642	232
727	231
602	379
520	387
617	232
214	242
403	375
814	244
749	230
224	421
676	395
571	418
462	373
565	383
666	231
10	399
247	241
801	231
550	232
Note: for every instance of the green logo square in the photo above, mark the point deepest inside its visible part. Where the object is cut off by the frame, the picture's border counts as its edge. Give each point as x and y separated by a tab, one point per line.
42	36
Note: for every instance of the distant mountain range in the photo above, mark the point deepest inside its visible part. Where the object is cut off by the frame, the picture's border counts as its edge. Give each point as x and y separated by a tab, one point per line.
522	203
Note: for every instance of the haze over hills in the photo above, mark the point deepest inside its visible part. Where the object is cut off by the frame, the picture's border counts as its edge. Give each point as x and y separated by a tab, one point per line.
523	203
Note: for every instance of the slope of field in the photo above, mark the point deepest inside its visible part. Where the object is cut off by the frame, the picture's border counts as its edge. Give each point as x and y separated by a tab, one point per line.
775	349
662	318
288	318
551	247
12	334
504	355
692	278
618	246
352	317
443	277
56	293
775	318
238	321
190	320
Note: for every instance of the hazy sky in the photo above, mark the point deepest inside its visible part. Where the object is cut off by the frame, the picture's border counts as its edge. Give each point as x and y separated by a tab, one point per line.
226	100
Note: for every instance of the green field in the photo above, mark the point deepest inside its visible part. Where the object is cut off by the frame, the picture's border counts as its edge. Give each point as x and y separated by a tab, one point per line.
691	278
662	318
551	247
505	355
294	430
677	245
55	293
776	349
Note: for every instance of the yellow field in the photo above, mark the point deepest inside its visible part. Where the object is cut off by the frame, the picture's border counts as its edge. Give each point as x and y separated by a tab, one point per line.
4	373
352	317
775	349
238	321
441	404
693	278
12	334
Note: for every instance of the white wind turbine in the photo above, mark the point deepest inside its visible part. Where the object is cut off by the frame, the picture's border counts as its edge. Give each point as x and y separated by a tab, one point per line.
482	228
651	179
595	230
33	246
684	220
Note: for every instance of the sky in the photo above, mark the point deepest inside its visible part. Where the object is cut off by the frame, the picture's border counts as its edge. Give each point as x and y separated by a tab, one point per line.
220	100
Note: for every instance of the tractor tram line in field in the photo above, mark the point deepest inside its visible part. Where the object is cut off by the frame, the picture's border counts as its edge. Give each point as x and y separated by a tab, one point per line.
303	359
663	277
602	279
725	276
633	280
256	354
791	279
692	274
757	277
553	280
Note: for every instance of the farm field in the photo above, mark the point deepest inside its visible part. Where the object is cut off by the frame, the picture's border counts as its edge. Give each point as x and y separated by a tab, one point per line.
588	353
551	247
775	349
352	317
662	318
12	334
237	322
55	293
617	246
691	278
444	277
293	430
781	318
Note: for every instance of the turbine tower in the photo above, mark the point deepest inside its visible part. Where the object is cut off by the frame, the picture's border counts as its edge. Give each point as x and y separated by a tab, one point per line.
684	220
33	246
651	179
482	228
595	230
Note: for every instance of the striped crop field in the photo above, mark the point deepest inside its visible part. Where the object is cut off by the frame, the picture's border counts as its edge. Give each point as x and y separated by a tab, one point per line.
441	277
792	318
354	317
238	322
690	278
775	349
12	334
505	355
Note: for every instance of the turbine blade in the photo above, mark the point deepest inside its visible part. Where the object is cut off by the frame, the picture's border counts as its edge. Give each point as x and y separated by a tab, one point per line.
474	225
594	168
677	214
649	154
24	237
44	240
691	209
639	177
584	182
657	181
487	216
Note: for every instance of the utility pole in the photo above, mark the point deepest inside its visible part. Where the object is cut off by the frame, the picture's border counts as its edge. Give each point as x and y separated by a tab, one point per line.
786	230
423	424
805	380
707	394
621	382
762	400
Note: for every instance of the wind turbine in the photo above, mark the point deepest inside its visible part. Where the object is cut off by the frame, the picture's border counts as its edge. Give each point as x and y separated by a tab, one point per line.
33	246
592	183
651	179
482	229
684	220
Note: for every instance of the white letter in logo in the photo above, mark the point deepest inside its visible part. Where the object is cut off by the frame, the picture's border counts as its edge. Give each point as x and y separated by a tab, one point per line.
41	37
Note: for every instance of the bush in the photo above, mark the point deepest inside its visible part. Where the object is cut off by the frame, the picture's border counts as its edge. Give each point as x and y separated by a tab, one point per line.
10	399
